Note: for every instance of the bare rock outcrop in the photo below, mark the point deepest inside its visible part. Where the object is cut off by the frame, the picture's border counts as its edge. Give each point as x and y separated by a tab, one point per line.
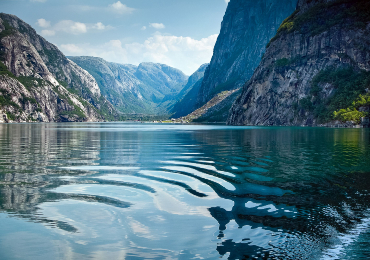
39	84
317	63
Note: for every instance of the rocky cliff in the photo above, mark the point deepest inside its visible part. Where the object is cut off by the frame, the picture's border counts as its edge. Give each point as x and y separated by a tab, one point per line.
247	27
318	62
134	89
38	83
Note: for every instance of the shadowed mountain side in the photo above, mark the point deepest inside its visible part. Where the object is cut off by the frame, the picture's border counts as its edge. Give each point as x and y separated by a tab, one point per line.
246	28
188	96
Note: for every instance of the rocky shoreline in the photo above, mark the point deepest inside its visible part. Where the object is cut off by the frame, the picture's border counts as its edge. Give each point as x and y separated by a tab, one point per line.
365	123
336	124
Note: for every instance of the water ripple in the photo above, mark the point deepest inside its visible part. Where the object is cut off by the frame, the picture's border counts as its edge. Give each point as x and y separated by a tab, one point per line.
263	193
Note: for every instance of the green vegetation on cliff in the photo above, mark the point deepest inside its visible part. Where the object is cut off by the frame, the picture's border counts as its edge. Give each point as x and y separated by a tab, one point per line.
7	31
285	63
4	70
352	113
6	99
348	86
30	82
324	16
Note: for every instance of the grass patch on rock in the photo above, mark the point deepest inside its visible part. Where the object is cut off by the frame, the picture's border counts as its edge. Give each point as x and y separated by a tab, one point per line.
323	16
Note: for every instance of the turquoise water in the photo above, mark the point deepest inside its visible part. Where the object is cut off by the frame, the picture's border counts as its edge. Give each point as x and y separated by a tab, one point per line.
153	191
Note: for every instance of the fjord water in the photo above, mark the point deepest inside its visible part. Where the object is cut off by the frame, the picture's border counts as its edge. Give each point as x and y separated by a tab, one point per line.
152	191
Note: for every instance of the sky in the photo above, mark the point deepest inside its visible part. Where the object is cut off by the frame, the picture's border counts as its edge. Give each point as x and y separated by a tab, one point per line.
179	33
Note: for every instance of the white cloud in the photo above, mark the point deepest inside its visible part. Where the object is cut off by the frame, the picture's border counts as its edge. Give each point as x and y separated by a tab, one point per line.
117	7
99	26
143	28
157	25
47	32
227	1
184	53
120	8
72	49
71	27
43	23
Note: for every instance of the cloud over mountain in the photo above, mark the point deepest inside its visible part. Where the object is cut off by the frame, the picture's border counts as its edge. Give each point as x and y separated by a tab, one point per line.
180	52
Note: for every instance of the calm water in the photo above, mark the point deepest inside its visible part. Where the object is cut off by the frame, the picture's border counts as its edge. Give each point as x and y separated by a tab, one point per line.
141	191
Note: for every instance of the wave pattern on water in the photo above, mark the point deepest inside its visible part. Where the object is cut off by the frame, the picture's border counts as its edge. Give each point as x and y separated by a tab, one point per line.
131	190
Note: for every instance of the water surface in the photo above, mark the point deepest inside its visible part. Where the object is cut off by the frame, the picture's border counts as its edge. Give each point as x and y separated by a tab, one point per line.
151	191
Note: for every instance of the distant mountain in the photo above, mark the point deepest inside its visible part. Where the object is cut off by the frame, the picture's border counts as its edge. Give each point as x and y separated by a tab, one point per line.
316	69
134	89
163	78
247	27
38	83
187	97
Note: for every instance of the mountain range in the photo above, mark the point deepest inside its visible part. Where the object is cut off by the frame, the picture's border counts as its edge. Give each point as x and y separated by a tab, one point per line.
146	88
39	84
288	62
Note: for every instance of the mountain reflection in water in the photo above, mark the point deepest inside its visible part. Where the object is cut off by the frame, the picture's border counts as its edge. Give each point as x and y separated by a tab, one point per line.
146	191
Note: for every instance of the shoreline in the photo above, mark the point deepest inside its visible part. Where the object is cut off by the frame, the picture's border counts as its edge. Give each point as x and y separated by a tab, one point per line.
329	125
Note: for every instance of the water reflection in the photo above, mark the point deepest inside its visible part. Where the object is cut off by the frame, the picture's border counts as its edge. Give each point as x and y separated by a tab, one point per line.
181	192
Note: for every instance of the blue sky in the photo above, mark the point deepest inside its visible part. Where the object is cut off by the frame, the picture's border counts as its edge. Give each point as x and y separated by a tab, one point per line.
180	33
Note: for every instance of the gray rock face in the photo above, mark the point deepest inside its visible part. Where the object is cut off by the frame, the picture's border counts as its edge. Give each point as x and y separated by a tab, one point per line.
38	83
58	65
247	27
304	46
43	102
134	89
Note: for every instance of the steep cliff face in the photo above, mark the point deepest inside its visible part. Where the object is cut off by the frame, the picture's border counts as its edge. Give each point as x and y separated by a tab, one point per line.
247	27
187	97
318	62
133	89
38	83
